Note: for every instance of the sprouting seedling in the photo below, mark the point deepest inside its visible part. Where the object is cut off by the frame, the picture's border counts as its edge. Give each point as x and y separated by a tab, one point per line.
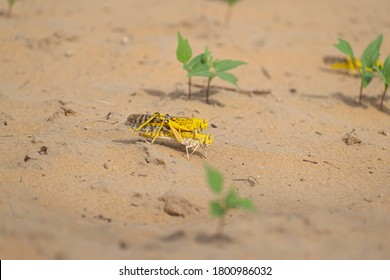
384	73
11	3
365	65
221	206
207	67
228	14
203	65
184	54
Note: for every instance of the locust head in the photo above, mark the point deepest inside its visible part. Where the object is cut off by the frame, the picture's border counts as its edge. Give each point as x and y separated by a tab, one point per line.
207	139
203	124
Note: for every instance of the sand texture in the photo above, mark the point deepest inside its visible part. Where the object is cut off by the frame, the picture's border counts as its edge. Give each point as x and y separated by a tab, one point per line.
75	183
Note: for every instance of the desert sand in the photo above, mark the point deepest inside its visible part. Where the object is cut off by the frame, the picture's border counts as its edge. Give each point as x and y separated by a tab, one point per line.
75	183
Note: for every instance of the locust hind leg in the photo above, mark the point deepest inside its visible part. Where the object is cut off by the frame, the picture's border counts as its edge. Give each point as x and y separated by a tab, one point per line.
155	115
157	133
188	155
191	145
205	150
150	143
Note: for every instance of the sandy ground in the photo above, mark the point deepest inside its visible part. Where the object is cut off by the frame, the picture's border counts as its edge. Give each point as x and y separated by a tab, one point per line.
77	185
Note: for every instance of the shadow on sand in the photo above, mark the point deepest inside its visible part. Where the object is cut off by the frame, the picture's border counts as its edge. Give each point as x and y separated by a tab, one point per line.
373	101
199	95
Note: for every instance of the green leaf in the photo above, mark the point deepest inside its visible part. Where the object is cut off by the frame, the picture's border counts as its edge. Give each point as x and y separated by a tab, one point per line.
228	77
386	68
384	73
231	2
345	48
371	54
231	199
11	2
215	179
195	61
380	73
366	77
217	210
205	73
206	57
246	203
226	65
183	51
201	70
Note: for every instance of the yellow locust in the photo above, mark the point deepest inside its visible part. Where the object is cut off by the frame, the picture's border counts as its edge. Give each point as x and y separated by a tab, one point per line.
188	139
137	122
184	130
348	63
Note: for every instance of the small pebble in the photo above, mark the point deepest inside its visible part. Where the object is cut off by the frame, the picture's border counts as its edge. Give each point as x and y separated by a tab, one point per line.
68	53
125	40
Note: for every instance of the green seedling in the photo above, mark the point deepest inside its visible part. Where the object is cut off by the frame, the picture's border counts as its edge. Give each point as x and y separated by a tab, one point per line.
228	14
11	3
364	66
205	66
184	54
225	203
384	73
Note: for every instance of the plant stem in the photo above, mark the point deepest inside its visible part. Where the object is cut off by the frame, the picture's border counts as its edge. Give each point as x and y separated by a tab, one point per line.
361	89
361	80
228	15
189	87
207	90
221	222
383	96
9	11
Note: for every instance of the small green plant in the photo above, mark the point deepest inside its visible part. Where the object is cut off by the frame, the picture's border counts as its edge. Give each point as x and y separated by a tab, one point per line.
203	65
228	14
364	66
221	206
11	3
384	73
207	67
231	2
184	54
